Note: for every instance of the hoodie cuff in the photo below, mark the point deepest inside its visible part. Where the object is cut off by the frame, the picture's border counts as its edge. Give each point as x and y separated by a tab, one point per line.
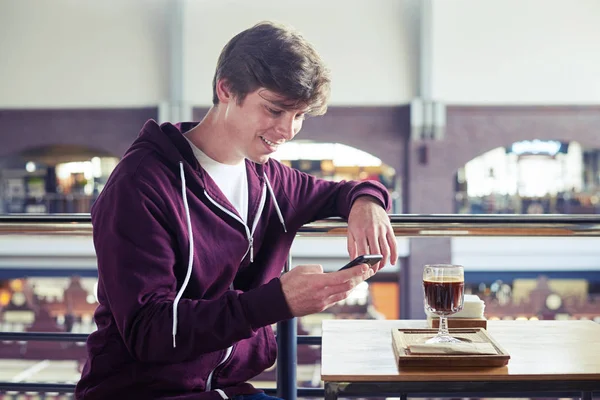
374	193
265	305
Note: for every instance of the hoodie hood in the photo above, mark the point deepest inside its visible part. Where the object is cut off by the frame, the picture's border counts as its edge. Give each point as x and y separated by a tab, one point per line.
167	139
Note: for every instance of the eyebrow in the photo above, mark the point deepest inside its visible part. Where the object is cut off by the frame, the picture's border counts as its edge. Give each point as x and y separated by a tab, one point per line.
288	105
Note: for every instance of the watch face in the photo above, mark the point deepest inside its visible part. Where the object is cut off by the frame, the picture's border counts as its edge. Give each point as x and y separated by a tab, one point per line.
553	301
18	299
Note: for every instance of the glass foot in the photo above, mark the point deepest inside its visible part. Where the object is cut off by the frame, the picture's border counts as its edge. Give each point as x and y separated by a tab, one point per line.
443	339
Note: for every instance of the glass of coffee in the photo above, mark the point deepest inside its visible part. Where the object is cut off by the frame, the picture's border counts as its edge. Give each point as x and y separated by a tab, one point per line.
444	287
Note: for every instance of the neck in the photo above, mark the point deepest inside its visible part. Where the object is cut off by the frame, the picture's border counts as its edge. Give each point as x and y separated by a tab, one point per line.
210	136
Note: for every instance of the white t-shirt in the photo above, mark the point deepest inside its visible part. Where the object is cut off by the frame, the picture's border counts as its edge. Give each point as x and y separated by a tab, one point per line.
231	179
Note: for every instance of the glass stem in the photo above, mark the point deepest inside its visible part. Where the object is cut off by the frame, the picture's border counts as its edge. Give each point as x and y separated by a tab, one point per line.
443	331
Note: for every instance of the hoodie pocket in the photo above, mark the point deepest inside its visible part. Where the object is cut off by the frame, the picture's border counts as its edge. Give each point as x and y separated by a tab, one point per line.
189	375
250	357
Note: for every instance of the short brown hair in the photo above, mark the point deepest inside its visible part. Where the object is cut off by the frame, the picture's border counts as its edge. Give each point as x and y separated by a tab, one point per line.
279	59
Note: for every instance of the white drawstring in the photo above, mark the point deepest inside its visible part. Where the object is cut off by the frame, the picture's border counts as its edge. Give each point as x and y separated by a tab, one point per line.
191	240
275	202
191	256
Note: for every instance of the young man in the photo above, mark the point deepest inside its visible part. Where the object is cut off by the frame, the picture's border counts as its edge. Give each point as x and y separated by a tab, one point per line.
195	224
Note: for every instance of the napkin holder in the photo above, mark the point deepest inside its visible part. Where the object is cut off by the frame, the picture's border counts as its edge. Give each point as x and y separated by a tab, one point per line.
471	316
458	322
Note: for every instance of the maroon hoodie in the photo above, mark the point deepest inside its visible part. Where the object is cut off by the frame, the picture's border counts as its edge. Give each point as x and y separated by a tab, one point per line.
224	297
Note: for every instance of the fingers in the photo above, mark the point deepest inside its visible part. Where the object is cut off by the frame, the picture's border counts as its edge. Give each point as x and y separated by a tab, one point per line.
361	271
345	287
308	290
321	280
357	245
352	246
309	269
362	245
385	252
391	239
331	300
375	245
379	240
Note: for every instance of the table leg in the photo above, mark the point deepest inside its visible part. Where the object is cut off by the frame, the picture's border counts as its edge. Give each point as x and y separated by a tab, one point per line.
331	391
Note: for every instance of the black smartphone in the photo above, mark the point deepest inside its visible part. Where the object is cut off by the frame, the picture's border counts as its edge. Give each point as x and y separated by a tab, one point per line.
370	259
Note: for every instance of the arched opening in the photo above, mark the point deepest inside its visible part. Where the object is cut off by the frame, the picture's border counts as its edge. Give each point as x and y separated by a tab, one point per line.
53	179
336	162
531	177
67	178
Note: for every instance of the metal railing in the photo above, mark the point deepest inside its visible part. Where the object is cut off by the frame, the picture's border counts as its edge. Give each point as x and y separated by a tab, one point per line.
403	225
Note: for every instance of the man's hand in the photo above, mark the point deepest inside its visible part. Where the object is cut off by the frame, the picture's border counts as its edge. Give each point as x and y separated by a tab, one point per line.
308	290
370	231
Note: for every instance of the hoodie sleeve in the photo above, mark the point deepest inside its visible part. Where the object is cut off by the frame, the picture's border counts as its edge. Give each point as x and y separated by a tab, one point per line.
136	266
312	198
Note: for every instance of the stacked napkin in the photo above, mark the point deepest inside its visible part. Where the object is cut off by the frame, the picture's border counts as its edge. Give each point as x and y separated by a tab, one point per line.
452	348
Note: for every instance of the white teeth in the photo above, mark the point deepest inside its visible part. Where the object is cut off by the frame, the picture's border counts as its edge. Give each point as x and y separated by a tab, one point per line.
268	142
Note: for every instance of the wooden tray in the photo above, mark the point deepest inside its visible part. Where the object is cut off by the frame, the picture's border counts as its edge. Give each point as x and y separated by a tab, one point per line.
402	338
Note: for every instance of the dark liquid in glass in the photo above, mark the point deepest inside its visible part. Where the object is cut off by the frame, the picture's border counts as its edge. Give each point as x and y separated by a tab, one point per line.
444	297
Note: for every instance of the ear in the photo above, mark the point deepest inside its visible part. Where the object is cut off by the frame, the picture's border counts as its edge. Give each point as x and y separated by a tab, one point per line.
223	92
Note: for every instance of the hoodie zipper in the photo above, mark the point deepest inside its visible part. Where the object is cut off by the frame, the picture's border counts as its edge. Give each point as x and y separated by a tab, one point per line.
227	356
250	236
249	233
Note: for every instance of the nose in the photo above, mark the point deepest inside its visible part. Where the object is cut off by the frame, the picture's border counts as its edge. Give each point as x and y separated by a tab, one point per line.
289	127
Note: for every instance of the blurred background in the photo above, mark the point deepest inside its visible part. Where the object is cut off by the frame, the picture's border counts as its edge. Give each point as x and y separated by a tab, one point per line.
462	106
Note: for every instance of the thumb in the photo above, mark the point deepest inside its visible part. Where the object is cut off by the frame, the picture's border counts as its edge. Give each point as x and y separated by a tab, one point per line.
309	269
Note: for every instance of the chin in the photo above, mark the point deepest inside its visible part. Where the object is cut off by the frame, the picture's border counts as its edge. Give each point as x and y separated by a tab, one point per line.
263	159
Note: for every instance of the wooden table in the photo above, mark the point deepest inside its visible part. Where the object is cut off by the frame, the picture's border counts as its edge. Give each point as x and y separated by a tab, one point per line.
558	357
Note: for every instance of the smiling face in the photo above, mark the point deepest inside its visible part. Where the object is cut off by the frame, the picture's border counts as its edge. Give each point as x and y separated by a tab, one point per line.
267	77
259	124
